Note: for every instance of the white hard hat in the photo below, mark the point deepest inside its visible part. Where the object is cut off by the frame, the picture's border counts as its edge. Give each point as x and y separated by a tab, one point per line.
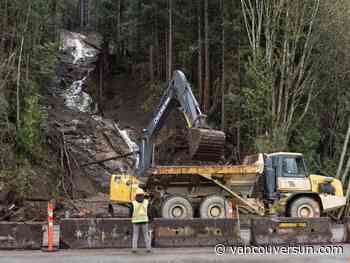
139	191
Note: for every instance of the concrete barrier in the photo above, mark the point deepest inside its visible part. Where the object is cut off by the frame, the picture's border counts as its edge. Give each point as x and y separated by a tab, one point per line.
282	231
339	233
96	233
15	235
245	237
194	232
117	233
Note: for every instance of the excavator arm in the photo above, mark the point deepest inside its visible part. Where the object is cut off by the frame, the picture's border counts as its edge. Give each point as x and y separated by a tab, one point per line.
204	143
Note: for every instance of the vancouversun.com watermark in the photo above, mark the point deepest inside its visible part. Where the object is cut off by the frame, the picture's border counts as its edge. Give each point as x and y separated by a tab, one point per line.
335	250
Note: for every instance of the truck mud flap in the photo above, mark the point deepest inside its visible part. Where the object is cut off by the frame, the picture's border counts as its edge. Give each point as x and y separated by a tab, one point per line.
96	233
15	235
194	232
280	231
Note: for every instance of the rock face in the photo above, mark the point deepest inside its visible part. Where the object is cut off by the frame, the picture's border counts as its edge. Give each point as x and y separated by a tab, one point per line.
81	138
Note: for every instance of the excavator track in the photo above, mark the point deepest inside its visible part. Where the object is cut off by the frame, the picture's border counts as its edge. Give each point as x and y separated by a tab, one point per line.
206	144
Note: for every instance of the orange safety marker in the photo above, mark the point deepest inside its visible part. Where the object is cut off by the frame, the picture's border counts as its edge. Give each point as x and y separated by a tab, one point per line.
231	208
50	226
50	230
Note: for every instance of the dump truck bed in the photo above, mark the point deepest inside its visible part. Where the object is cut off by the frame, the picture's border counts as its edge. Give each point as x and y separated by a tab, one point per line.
238	178
253	164
223	170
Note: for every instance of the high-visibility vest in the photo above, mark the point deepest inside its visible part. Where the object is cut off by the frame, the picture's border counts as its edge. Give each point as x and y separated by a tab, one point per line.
139	214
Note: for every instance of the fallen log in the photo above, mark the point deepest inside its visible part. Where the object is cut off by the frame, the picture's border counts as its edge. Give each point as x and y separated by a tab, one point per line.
108	159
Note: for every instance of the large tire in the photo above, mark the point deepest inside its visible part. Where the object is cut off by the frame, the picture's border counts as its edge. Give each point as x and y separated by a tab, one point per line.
177	207
305	207
214	207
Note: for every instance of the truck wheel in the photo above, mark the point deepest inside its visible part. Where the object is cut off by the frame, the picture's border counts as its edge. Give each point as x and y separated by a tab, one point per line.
177	207
214	207
305	207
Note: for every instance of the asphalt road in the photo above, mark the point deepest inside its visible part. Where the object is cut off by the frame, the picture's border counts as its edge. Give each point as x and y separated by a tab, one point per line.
199	255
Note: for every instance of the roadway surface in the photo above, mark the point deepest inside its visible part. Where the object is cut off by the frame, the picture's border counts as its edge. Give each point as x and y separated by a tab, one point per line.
199	255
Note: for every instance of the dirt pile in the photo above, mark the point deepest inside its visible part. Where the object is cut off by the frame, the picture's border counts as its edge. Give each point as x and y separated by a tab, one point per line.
87	146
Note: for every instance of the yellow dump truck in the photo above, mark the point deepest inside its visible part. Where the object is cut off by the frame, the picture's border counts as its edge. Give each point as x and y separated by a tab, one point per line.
276	183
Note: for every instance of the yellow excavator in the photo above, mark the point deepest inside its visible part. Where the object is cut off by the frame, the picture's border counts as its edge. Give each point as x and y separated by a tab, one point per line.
265	184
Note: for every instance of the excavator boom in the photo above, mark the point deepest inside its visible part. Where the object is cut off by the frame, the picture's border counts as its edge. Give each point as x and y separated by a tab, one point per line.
205	144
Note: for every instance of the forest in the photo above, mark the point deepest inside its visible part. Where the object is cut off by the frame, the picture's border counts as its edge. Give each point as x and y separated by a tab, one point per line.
272	74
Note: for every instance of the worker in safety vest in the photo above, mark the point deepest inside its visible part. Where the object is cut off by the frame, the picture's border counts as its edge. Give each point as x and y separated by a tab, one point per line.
140	220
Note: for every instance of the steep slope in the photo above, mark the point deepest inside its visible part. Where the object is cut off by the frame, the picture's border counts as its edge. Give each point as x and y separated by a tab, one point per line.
83	139
123	100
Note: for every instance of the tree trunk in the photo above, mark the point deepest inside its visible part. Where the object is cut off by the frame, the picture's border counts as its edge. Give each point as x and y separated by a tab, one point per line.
151	66
139	28
200	52
345	174
86	13
4	26
18	109
223	67
118	19
27	67
156	43
206	93
100	85
170	41
5	16
342	157
54	20
165	59
239	92
81	12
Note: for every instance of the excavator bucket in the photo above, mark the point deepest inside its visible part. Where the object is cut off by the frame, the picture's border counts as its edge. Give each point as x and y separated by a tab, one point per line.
206	144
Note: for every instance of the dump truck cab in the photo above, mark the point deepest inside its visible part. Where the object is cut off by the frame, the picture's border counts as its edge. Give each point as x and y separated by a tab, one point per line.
291	190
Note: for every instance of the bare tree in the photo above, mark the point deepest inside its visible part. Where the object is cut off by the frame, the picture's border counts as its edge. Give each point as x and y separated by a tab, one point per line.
253	16
287	56
19	65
